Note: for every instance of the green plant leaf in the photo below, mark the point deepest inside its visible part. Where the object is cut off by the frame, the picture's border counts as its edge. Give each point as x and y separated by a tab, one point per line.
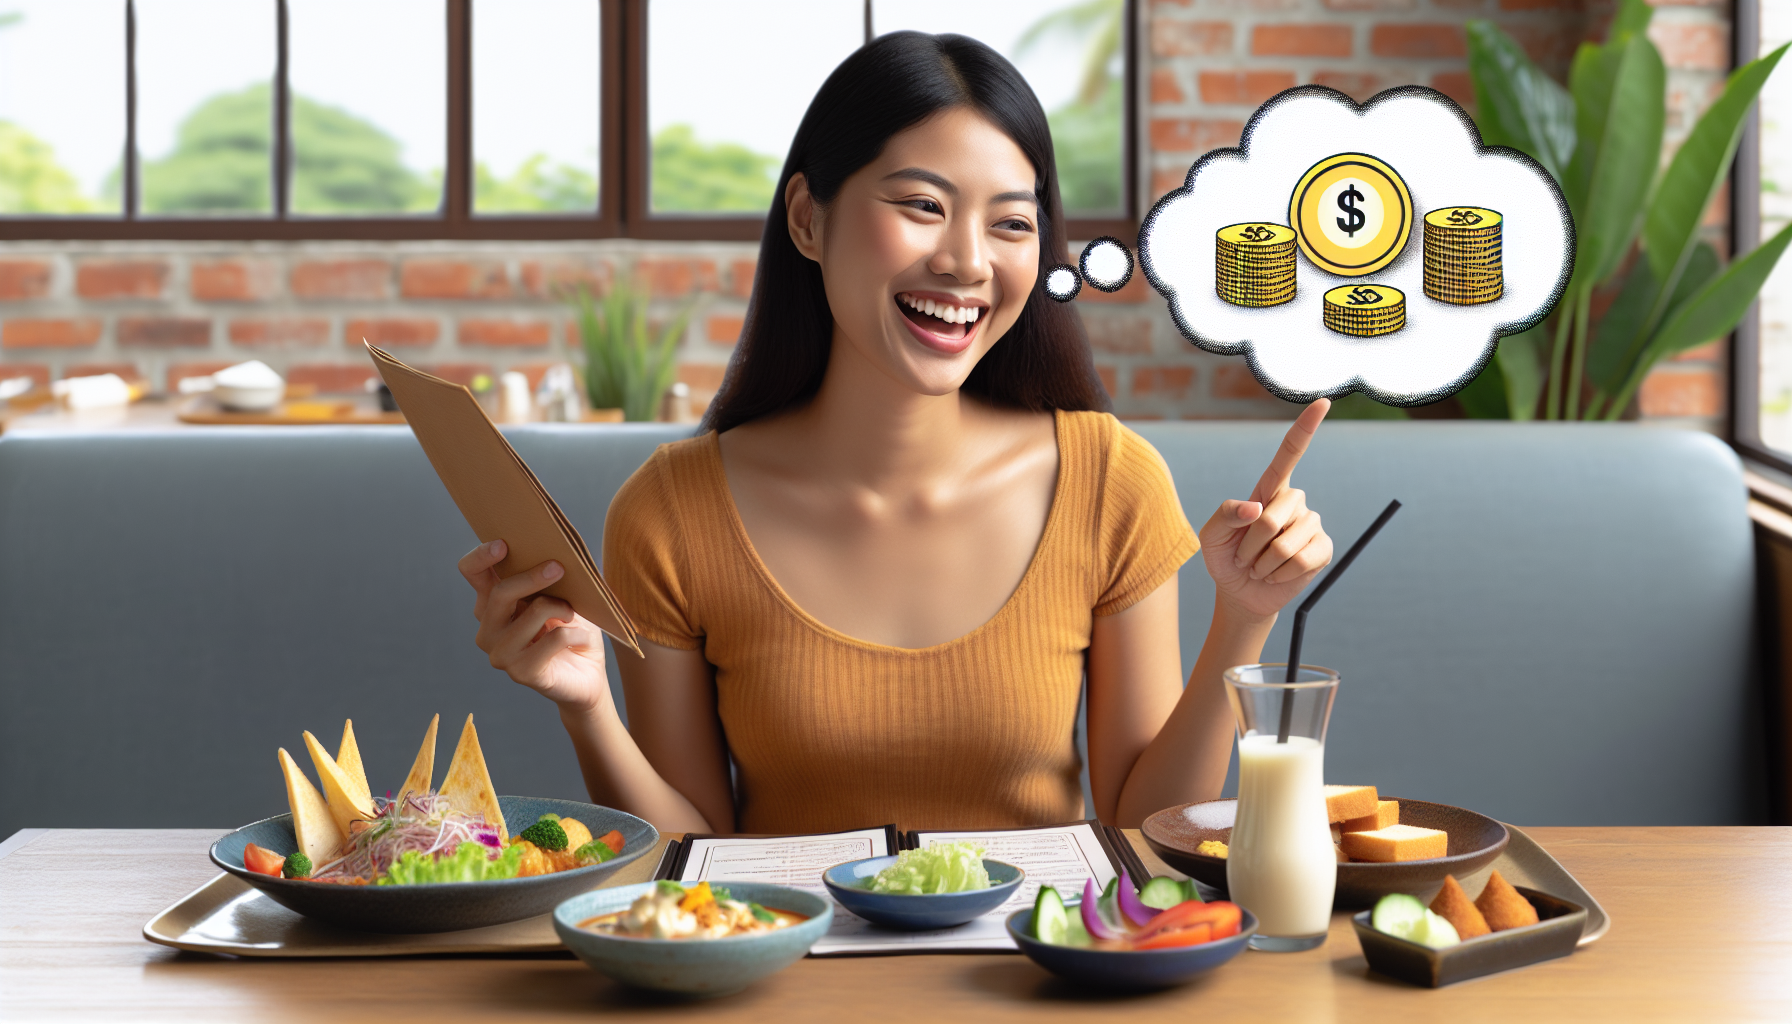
1713	310
1484	398
1520	359
1591	80
1620	167
1358	406
1619	340
1632	19
1516	104
1700	168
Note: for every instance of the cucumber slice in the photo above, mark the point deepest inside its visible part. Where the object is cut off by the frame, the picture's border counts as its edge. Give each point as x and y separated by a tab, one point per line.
1189	892
1051	922
1432	930
1162	893
1398	914
1078	936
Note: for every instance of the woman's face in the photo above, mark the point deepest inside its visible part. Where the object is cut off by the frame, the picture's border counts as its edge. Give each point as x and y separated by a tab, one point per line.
929	252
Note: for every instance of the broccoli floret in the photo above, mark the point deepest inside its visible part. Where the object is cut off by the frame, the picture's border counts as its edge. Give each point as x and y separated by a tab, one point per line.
594	852
546	834
297	866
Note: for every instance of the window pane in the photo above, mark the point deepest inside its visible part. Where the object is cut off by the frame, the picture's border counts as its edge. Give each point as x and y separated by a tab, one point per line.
61	105
1776	212
369	106
535	105
1071	52
205	125
718	149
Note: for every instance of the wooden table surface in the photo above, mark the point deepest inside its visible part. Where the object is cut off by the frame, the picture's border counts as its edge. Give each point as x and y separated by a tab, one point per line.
1701	931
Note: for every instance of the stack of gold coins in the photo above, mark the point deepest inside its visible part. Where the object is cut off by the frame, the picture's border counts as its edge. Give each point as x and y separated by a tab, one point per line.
1254	264
1365	310
1462	255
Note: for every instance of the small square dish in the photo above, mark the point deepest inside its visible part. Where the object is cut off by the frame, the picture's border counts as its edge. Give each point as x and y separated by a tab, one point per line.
1554	935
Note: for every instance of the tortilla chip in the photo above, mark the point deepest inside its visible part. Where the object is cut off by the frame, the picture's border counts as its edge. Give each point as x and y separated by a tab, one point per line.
423	769
346	802
319	836
468	786
348	755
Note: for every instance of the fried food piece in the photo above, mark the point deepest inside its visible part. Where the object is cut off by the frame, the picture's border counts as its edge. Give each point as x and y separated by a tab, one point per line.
577	834
1396	844
1502	905
534	861
1454	906
1387	812
1343	803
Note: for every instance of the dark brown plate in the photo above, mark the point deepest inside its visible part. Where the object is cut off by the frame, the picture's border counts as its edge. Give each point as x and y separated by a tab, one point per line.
1554	935
1475	841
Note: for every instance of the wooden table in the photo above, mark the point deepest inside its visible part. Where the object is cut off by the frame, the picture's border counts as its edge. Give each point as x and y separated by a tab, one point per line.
1701	931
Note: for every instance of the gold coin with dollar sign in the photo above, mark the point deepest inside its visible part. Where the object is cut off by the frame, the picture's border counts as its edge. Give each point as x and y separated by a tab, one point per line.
1254	263
1463	255
1351	213
1365	310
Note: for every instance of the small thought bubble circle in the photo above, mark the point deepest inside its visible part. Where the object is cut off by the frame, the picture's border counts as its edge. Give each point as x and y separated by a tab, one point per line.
1062	282
1106	264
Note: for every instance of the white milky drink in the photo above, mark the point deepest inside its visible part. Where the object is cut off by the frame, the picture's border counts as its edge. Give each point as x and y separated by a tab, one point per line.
1280	864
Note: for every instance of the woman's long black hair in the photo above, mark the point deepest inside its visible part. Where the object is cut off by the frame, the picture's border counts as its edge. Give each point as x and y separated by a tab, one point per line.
889	85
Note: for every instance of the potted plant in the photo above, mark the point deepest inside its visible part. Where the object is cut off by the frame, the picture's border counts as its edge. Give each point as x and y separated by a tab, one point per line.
1600	137
628	363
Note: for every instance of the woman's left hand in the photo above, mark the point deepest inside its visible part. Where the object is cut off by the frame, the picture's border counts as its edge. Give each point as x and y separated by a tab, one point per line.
1263	551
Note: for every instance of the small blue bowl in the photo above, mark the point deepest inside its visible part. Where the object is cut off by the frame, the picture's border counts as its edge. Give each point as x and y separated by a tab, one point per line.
918	913
1132	969
709	967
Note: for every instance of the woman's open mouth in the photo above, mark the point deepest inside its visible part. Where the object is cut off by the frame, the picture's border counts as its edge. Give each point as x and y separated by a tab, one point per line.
940	322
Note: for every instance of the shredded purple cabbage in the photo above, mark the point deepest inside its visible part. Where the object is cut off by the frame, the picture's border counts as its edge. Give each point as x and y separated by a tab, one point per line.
422	822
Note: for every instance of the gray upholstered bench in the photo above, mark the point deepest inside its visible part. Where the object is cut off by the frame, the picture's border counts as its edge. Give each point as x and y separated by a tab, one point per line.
1555	630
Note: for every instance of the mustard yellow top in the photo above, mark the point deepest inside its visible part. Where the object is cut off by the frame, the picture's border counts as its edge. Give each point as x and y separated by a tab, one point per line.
830	732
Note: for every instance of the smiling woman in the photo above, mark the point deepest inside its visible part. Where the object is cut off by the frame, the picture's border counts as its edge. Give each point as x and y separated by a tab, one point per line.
873	588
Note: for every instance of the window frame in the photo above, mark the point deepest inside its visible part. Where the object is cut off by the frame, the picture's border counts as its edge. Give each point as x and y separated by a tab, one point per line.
1744	421
624	188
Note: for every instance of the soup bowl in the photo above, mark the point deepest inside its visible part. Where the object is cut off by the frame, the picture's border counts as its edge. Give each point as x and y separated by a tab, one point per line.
710	967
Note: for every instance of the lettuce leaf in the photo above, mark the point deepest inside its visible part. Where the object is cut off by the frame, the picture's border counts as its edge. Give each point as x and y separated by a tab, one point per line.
942	867
468	863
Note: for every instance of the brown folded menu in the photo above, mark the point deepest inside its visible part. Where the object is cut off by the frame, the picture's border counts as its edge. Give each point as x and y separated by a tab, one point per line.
498	494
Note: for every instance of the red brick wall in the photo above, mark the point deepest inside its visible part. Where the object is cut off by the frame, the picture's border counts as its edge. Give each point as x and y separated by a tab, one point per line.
161	311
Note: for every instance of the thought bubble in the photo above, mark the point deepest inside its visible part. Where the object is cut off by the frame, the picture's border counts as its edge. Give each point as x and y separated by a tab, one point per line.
1307	249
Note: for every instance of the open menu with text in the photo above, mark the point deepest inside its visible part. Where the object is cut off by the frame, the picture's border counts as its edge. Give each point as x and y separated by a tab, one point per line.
1062	856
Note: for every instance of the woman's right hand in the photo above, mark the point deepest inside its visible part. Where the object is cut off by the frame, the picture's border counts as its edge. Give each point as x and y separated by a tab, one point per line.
538	640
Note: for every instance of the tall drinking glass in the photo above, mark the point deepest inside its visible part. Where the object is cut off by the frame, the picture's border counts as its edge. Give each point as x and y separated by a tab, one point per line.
1281	865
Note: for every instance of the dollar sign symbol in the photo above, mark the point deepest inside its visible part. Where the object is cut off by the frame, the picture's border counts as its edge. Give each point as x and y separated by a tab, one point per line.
1353	219
1464	217
1256	233
1361	296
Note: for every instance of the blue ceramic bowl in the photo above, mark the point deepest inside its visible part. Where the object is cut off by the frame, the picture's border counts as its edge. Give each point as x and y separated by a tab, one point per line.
918	913
446	907
1134	969
710	967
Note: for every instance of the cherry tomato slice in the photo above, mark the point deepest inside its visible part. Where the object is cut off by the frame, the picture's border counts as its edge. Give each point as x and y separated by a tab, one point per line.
1222	916
262	861
1193	935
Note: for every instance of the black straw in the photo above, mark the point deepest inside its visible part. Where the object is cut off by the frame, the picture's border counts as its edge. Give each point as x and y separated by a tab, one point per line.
1300	614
